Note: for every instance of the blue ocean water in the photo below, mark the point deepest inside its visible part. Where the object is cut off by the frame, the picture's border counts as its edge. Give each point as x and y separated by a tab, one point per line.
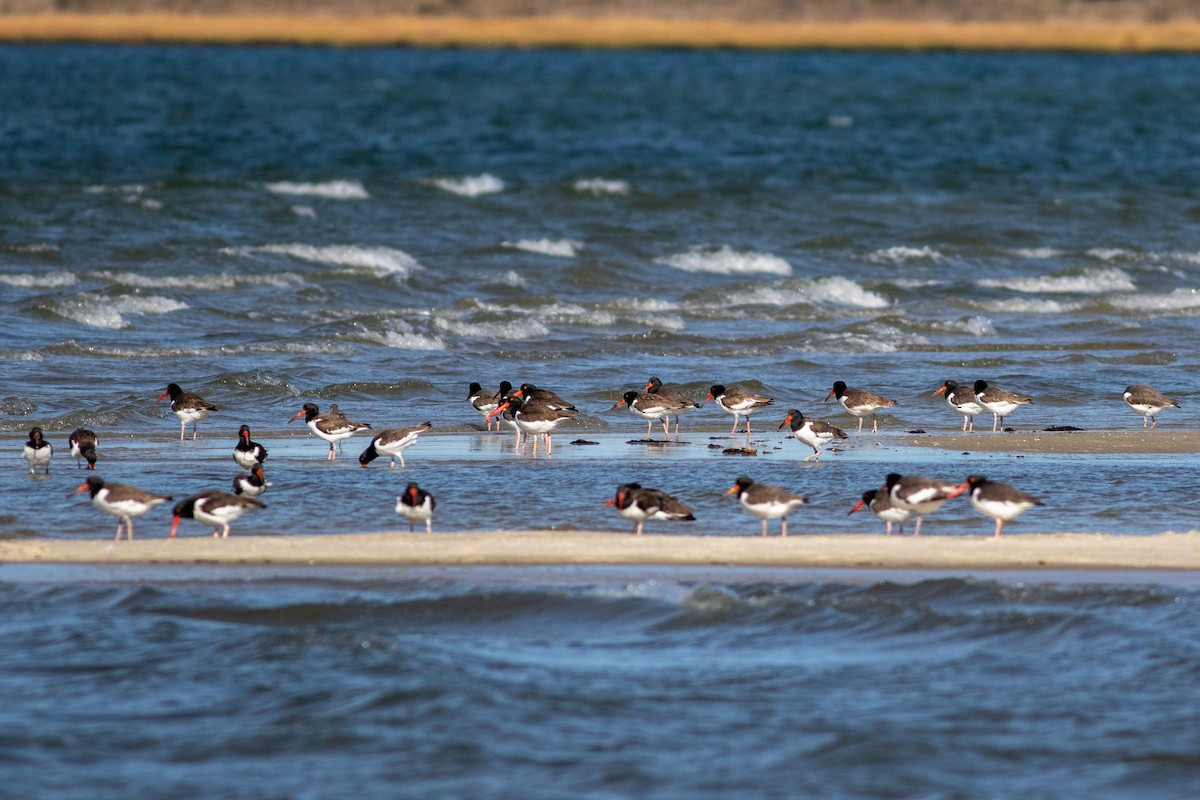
379	228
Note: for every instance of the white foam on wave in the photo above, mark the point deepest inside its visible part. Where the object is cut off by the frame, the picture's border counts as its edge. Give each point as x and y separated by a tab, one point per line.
832	290
599	186
724	260
1112	254
1029	305
512	279
1187	258
901	254
333	190
222	282
509	331
52	280
21	355
470	186
1039	253
1089	281
99	311
1178	300
73	347
403	340
304	212
380	260
561	248
975	326
36	248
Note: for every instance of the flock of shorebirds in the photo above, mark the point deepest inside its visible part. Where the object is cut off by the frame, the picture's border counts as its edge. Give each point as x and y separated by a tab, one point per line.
534	414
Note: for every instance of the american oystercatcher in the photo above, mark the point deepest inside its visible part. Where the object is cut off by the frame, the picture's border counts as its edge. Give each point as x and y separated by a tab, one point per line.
532	394
328	427
251	485
739	402
83	445
816	433
213	508
37	451
652	407
120	500
416	505
766	502
535	419
1000	402
188	407
860	403
919	495
1148	402
483	402
962	400
639	504
392	443
881	505
654	386
999	501
246	453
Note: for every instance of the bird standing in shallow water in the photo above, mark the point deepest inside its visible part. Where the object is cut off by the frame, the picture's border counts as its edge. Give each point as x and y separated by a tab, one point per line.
881	505
1000	402
962	400
37	451
251	485
860	403
739	402
639	504
1148	402
188	407
214	508
999	501
246	453
83	445
919	495
329	427
392	443
416	505
654	386
815	433
766	502
120	500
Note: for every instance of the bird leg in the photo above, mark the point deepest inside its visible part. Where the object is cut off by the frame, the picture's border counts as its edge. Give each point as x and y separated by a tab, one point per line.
429	525
735	420
917	528
182	429
860	424
332	453
999	525
194	431
549	445
764	527
888	529
874	424
783	527
638	527
814	457
666	421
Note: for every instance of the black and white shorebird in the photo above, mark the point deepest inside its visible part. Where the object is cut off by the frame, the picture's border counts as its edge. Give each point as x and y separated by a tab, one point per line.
738	402
961	399
213	508
766	502
188	407
637	503
860	403
83	445
881	505
1148	402
121	500
816	433
652	407
251	485
392	443
38	451
328	427
483	402
416	505
544	397
999	501
246	453
534	418
655	386
919	495
1000	402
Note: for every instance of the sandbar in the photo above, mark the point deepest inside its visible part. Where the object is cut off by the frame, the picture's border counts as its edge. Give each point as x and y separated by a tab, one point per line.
1170	551
1163	442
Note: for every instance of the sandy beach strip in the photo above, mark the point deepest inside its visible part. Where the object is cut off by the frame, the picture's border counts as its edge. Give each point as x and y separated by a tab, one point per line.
601	32
1044	551
1130	442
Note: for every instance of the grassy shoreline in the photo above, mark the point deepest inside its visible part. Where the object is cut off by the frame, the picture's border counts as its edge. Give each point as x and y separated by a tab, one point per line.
600	32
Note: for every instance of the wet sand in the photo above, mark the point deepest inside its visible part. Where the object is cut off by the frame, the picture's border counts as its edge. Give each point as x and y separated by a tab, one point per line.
1161	441
1057	551
1090	35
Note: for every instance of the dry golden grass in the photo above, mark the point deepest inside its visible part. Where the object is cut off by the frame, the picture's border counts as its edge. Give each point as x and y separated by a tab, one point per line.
603	32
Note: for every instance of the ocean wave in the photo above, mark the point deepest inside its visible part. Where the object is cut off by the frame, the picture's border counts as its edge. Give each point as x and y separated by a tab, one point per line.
562	248
724	260
35	248
52	280
21	355
1178	300
833	290
901	254
1039	253
223	281
103	311
526	328
470	186
975	326
380	260
599	186
1087	281
1027	305
73	348
1112	254
335	190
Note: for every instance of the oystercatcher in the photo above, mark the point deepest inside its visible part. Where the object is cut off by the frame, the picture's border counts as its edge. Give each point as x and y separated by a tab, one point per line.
816	433
532	394
483	402
653	406
251	485
999	501
766	502
83	445
534	419
654	386
1148	402
639	504
962	400
188	407
416	505
328	427
739	402
860	403
919	495
1000	402
881	505
246	453
392	443
213	508
38	451
120	500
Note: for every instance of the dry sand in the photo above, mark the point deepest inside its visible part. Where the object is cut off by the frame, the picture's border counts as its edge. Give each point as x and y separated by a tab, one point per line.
1057	551
1075	442
1081	34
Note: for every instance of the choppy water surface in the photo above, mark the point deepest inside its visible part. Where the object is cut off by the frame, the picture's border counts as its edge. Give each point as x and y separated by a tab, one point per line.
378	228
